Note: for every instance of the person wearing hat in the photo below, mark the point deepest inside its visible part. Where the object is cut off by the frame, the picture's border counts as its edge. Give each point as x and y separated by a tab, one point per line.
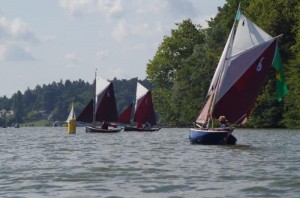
223	122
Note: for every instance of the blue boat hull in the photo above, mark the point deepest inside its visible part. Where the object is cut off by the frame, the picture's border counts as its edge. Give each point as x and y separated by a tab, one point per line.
211	137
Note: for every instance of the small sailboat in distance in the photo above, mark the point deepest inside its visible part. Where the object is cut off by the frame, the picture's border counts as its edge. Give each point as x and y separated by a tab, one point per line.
239	77
101	108
71	120
72	114
143	112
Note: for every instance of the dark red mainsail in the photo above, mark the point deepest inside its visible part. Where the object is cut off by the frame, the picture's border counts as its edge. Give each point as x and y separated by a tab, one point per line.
106	107
241	86
103	107
86	114
144	110
125	116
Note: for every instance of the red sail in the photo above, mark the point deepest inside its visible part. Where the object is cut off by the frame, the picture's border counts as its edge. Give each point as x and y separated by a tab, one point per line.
144	110
87	113
204	115
243	81
106	108
125	116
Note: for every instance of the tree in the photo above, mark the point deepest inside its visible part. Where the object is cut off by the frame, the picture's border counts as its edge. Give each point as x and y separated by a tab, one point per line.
169	59
281	17
18	107
291	113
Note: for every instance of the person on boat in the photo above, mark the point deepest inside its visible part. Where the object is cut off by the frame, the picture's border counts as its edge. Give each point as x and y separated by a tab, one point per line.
147	125
104	125
223	122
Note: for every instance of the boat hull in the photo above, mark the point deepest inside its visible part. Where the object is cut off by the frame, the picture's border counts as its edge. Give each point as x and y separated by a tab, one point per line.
211	137
130	128
93	129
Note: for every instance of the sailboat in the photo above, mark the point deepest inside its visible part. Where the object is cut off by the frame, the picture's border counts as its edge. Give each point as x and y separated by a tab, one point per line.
239	77
143	111
101	108
72	114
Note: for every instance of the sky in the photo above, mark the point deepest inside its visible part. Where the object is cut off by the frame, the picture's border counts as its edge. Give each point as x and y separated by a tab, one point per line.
45	41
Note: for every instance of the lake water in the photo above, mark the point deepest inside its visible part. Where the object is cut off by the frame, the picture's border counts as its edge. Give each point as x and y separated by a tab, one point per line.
47	162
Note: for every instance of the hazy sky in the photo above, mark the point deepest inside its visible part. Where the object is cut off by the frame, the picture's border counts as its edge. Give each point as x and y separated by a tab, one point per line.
42	41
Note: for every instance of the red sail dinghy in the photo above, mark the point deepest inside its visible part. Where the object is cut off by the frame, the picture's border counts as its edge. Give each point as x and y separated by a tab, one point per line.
239	77
101	108
143	112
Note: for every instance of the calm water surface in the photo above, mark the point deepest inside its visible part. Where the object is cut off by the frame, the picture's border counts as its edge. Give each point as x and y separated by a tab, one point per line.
47	162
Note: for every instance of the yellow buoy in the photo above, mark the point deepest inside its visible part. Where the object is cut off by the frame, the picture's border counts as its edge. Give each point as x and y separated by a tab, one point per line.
72	126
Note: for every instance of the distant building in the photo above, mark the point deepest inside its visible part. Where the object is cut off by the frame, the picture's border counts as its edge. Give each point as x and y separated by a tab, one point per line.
6	113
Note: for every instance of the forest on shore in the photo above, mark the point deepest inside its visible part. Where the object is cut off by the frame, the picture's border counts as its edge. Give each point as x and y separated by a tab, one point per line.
180	72
184	64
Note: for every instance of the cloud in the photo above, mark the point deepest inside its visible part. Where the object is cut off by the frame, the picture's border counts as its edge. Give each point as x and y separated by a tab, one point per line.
102	55
166	8
15	37
13	52
16	29
72	57
108	73
77	8
135	19
110	8
121	30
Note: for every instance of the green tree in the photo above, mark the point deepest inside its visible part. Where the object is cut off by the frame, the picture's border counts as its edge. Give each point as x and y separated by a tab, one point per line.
169	59
18	107
281	19
292	102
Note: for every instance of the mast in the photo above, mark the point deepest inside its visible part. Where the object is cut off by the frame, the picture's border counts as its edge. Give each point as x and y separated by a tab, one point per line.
222	67
94	103
134	103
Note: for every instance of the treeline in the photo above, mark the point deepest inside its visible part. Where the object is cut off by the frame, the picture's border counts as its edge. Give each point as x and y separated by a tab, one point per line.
53	101
184	63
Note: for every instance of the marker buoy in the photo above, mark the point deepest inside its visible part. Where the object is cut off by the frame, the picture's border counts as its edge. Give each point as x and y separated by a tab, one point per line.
72	126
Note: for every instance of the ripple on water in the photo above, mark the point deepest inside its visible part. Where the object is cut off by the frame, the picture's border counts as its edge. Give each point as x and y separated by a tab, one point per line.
47	162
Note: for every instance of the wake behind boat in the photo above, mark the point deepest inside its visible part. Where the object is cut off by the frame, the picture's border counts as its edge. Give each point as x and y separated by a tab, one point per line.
143	112
242	70
102	108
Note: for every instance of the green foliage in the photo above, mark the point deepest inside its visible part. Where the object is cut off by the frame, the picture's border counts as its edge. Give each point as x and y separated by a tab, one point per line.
181	79
281	19
168	68
18	107
292	102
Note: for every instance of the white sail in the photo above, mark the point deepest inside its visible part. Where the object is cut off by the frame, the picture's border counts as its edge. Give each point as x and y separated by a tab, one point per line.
250	39
72	114
221	63
247	36
101	85
140	91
